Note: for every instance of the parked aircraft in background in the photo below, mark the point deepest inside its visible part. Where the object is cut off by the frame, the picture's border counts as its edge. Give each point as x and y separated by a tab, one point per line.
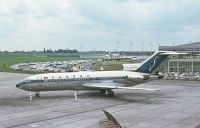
118	56
105	81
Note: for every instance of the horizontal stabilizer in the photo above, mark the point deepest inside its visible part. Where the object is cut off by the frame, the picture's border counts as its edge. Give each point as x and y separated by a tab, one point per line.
104	86
173	53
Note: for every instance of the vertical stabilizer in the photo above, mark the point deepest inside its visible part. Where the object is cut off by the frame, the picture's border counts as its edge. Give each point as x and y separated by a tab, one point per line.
149	65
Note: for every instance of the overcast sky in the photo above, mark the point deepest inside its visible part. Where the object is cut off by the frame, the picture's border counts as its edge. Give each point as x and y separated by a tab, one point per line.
97	24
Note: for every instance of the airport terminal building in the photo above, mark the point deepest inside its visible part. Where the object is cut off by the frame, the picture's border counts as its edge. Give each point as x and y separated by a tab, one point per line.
183	63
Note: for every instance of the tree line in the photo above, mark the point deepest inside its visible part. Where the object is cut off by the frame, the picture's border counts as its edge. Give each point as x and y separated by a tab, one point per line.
44	51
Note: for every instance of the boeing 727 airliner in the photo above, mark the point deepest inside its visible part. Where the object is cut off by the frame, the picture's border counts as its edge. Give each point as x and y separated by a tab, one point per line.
105	81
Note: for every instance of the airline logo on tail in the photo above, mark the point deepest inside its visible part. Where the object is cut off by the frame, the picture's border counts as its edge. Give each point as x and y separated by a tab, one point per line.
154	62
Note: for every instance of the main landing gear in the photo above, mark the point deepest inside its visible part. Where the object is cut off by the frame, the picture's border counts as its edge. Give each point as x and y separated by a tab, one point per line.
109	92
103	91
37	94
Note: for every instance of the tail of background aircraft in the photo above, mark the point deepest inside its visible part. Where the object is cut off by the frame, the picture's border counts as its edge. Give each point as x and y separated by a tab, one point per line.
149	65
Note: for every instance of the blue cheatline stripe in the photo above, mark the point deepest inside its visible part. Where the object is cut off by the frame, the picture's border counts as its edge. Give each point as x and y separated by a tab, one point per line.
76	79
152	63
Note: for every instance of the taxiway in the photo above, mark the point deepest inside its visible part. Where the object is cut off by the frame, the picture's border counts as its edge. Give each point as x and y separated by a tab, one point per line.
176	106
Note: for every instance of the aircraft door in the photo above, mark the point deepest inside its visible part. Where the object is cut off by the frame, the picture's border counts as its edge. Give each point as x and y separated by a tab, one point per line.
39	78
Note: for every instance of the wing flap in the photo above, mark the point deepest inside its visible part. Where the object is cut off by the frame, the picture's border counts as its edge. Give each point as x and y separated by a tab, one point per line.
135	88
100	85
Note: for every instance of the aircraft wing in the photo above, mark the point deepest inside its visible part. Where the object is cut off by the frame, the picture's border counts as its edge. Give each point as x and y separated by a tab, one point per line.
107	86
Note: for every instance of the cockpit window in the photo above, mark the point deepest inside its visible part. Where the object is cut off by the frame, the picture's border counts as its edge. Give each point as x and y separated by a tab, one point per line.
26	81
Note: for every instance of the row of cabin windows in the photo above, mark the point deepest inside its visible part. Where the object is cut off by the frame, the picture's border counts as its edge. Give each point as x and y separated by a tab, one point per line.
96	78
66	77
46	78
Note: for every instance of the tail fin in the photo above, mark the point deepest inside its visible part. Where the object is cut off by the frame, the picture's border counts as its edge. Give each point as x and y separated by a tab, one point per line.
149	65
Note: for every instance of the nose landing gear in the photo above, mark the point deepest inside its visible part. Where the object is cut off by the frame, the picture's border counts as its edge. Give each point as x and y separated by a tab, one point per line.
75	94
37	95
30	96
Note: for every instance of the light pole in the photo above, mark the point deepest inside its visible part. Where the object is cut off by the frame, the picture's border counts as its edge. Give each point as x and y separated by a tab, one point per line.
118	45
131	46
81	48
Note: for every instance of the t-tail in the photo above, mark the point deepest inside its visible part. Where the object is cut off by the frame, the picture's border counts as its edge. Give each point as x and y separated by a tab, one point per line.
149	65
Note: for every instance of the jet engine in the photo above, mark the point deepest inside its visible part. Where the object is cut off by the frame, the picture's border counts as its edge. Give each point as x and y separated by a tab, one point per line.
138	77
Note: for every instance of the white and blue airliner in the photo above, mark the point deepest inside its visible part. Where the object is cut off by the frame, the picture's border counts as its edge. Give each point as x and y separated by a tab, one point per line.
105	81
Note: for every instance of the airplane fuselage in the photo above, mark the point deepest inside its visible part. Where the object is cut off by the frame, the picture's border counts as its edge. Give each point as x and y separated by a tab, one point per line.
76	80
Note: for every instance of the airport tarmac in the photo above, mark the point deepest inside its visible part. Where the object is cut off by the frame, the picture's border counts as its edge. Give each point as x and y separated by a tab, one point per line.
176	106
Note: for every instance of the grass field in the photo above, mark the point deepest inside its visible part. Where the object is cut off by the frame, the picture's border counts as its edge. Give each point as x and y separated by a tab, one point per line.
8	59
110	65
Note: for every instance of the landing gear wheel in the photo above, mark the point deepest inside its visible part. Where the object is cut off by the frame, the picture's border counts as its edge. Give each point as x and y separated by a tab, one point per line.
103	91
111	93
37	94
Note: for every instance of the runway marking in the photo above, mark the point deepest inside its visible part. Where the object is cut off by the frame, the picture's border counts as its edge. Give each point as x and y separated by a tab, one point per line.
34	125
6	87
67	115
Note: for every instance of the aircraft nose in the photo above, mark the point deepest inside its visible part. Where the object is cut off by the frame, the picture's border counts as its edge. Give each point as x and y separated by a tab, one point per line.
19	85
